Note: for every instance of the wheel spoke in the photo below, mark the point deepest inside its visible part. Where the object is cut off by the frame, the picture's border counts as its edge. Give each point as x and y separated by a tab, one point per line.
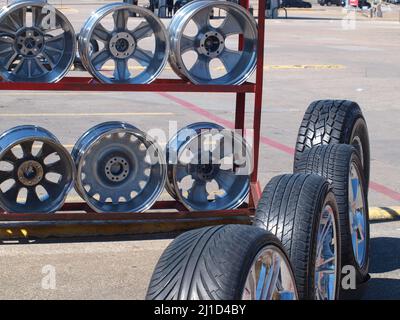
272	280
56	167
31	197
198	192
121	71
120	19
142	56
12	193
38	64
45	151
229	59
261	281
225	179
9	157
143	30
27	148
202	18
100	58
100	33
187	44
201	68
230	26
53	189
55	43
21	67
5	175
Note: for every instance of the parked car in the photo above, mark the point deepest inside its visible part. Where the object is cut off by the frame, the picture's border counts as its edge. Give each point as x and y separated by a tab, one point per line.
296	4
332	2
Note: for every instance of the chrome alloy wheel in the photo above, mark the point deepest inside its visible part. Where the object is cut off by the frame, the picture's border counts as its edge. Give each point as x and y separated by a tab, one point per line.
357	216
208	167
270	277
119	168
326	256
121	31
213	42
37	42
36	171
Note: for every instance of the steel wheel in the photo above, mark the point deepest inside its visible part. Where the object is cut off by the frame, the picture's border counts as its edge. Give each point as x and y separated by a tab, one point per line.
36	171
208	167
122	44
357	216
119	168
210	43
326	256
270	277
31	49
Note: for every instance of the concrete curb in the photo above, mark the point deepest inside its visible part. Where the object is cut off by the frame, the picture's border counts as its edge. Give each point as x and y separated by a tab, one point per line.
384	213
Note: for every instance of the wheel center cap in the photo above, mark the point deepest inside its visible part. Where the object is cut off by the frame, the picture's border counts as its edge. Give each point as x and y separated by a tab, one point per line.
29	42
117	169
212	44
122	45
30	173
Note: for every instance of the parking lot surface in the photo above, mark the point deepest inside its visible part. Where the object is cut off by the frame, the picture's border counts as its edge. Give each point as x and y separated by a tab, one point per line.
313	55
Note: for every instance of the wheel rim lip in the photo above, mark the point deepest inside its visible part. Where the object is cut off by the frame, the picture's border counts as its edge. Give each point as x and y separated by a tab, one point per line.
356	141
172	182
360	259
331	294
20	134
177	26
285	264
59	74
90	24
92	137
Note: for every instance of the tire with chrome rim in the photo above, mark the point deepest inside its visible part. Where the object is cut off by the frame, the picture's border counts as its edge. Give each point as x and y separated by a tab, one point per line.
341	164
119	168
37	42
132	38
230	262
334	122
208	167
301	210
212	41
36	171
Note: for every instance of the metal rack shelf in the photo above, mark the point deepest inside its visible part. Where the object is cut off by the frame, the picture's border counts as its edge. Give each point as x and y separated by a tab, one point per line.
164	216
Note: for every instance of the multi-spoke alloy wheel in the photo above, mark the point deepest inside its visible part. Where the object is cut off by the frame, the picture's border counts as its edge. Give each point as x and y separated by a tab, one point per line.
208	167
326	256
132	44
214	44
119	168
270	277
36	171
357	216
37	42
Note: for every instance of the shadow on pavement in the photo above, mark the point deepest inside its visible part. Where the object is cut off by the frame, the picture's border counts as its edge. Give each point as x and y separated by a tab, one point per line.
156	236
382	289
384	254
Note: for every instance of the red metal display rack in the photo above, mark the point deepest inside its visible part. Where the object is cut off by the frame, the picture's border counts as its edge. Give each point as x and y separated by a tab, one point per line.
164	216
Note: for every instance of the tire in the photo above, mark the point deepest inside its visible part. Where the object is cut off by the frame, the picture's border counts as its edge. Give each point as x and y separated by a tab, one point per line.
213	263
292	207
334	162
333	122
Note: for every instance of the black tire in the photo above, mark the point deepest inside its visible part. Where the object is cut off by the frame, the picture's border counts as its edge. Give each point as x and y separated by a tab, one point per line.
291	208
333	122
333	162
210	263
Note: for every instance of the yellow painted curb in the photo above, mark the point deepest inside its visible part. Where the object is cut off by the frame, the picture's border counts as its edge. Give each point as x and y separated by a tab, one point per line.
384	213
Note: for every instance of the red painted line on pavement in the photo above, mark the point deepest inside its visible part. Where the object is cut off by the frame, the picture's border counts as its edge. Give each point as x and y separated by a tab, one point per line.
267	141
